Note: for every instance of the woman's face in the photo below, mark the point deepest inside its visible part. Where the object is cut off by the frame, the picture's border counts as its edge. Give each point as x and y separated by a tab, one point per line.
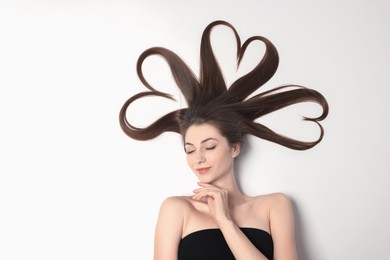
209	154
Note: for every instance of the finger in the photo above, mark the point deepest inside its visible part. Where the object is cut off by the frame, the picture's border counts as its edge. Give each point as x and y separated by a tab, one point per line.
207	188
212	189
210	200
203	186
202	198
206	185
204	193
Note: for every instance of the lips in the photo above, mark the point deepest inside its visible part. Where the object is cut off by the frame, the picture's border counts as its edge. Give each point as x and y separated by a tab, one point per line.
203	170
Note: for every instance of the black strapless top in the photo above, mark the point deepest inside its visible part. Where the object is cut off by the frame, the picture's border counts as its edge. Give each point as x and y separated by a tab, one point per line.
209	244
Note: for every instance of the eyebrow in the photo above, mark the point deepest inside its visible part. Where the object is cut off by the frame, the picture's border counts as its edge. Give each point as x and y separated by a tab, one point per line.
203	141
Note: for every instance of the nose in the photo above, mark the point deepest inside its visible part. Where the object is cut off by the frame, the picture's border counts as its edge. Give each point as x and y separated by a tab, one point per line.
200	158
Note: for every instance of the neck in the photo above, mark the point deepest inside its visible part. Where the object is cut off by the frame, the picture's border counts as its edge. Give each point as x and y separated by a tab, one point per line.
236	197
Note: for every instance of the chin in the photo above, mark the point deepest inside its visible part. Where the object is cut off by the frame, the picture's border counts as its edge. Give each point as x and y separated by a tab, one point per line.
205	179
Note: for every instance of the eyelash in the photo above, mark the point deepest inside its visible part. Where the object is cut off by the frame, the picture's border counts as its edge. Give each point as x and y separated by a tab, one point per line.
209	148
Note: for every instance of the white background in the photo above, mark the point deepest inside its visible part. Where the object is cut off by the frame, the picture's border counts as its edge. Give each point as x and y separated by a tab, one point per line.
73	186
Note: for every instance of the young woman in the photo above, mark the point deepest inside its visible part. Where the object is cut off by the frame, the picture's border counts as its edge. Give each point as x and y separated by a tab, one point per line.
219	221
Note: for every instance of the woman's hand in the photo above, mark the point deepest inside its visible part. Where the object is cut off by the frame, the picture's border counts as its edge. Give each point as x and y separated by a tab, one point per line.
217	200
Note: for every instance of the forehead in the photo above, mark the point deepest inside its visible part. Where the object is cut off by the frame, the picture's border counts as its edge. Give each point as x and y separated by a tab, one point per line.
198	133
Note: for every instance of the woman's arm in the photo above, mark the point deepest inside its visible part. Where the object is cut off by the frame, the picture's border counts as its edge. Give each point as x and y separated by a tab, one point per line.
239	244
282	228
217	199
168	230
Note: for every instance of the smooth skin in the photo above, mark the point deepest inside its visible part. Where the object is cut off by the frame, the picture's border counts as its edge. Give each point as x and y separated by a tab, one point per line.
219	203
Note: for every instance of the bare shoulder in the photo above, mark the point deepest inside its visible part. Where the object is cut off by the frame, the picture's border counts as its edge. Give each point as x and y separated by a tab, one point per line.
273	197
171	216
169	228
279	198
281	222
175	204
274	201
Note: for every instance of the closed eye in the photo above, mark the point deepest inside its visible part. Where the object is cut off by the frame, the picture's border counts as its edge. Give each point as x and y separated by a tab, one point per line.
211	148
189	152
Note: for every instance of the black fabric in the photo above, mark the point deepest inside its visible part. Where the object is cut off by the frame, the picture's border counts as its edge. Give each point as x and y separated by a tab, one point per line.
209	244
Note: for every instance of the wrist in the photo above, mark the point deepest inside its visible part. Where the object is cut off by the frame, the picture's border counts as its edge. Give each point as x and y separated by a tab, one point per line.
225	222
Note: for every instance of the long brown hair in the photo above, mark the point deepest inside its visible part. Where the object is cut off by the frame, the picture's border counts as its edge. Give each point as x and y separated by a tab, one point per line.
209	100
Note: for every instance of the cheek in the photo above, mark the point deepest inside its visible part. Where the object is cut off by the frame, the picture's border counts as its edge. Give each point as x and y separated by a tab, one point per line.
217	157
223	157
188	159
